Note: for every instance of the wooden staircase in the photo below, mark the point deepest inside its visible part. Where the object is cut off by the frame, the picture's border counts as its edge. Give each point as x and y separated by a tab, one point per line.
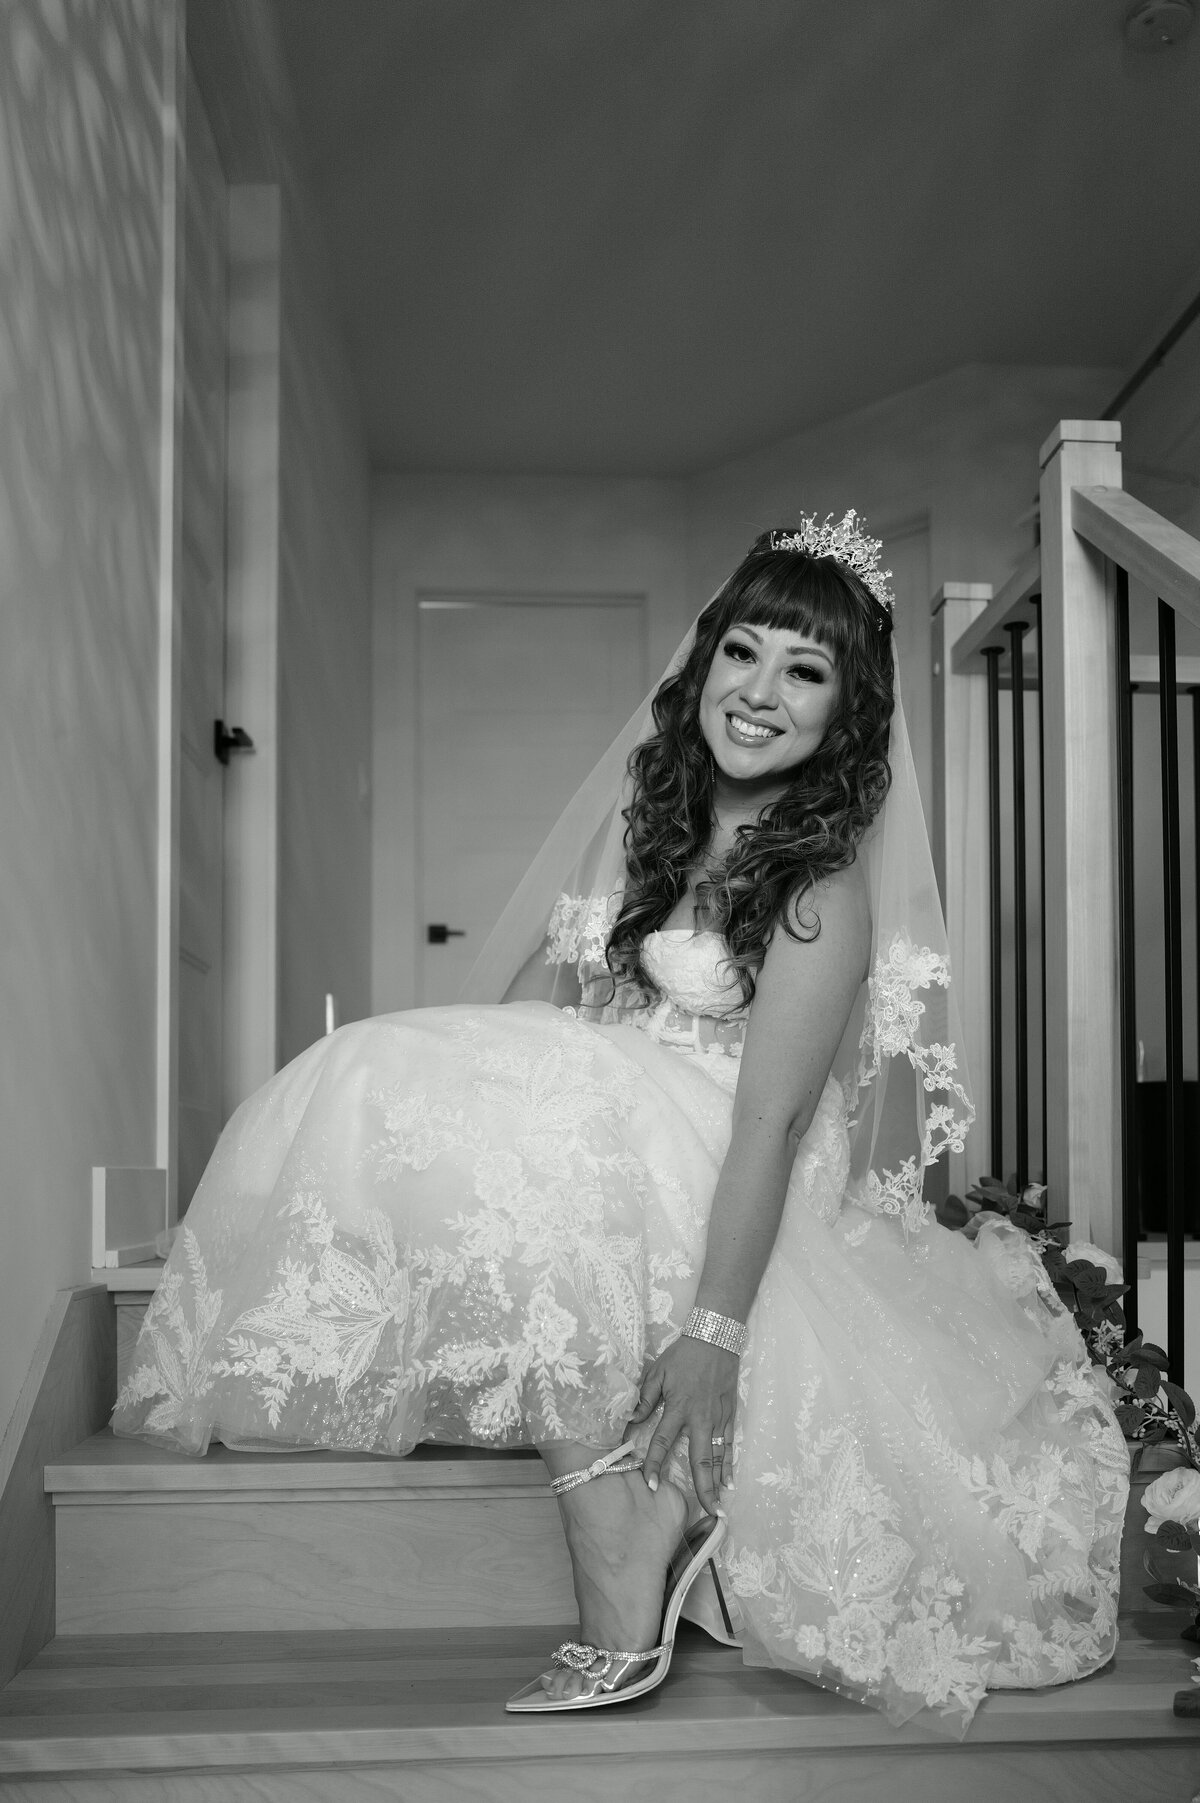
329	1626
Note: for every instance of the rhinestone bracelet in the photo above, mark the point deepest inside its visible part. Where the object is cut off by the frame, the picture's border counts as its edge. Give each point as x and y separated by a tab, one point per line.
716	1330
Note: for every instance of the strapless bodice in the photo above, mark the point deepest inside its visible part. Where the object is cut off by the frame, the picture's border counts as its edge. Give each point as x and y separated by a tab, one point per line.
691	967
699	1010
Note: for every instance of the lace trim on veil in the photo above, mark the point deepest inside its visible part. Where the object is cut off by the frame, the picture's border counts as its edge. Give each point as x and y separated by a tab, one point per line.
890	1030
579	928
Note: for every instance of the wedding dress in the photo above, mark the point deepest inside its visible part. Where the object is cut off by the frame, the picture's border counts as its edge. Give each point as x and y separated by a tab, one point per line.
478	1224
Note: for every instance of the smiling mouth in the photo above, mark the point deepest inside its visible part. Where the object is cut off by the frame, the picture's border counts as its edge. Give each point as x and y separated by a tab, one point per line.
749	732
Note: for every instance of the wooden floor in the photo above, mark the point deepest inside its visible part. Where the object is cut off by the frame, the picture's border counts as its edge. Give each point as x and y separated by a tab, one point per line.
202	1718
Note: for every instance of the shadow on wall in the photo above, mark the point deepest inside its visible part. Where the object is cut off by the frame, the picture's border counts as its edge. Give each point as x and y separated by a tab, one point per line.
80	200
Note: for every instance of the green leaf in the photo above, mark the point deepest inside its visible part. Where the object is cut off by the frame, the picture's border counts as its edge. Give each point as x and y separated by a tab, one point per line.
1146	1382
1173	1537
1130	1417
953	1213
1181	1402
986	1189
1174	1594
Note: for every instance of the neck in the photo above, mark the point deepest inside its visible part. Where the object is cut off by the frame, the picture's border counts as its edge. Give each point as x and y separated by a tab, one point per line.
735	803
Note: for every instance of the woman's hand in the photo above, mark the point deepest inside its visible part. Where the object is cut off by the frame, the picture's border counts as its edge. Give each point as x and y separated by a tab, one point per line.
697	1386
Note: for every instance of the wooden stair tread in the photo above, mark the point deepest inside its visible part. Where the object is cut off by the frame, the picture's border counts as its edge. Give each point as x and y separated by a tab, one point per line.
139	1701
106	1465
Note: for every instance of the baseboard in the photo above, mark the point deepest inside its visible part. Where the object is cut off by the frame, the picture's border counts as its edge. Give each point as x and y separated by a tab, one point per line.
68	1394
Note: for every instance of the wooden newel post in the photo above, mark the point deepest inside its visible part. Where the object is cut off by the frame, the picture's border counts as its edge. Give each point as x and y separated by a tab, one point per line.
1079	700
959	836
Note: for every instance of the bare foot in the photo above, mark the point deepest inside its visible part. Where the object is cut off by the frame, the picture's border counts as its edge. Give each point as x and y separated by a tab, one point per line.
620	1536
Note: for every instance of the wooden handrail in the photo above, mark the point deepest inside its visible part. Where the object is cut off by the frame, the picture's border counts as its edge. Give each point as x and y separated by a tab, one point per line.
1162	557
1013	602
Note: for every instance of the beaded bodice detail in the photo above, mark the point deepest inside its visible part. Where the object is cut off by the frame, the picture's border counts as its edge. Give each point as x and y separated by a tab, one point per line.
692	969
700	1008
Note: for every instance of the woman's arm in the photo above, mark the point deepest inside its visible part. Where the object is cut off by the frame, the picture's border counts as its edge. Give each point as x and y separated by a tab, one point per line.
804	995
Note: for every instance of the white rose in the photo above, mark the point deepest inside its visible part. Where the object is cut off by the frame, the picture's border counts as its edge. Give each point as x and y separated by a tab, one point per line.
1096	1255
1175	1496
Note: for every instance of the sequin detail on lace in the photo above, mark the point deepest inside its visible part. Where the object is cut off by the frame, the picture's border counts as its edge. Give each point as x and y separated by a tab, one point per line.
844	1586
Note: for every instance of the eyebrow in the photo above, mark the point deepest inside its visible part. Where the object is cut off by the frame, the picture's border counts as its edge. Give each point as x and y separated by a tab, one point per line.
791	650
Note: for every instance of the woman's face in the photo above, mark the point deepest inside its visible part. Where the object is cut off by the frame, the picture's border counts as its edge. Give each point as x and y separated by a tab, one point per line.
767	702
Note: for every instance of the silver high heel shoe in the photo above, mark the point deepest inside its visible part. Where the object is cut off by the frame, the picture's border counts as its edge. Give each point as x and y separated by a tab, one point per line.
604	1671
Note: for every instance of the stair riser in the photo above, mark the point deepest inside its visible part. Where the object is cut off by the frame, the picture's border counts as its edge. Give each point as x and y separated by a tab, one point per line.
163	1564
1037	1774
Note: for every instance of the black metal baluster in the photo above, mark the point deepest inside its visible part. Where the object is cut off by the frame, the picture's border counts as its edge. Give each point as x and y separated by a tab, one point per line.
992	656
1017	633
1126	950
1037	602
1173	976
1196	897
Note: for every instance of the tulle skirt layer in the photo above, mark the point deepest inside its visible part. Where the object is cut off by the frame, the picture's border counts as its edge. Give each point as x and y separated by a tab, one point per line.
477	1225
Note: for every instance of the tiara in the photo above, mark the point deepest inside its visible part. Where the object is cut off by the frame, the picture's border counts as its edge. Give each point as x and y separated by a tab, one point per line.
845	542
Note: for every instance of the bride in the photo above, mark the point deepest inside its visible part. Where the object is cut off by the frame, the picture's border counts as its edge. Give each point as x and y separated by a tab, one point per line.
670	1228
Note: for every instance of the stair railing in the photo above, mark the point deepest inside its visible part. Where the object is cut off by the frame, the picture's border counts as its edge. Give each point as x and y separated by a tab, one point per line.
1049	966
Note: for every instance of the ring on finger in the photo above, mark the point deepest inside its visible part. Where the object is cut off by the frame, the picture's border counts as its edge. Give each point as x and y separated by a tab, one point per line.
718	1439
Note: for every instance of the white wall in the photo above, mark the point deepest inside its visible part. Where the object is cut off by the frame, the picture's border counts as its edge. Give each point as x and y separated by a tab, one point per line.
80	280
1161	454
530	534
1160	428
80	272
324	661
323	894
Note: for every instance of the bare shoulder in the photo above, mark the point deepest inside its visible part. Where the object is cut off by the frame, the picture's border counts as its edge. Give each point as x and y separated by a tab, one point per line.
837	911
811	976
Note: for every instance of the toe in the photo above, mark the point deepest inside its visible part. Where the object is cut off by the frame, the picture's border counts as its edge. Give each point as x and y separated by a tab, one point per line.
560	1685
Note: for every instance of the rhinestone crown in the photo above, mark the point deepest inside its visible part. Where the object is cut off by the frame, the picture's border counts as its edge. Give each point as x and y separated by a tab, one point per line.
847	542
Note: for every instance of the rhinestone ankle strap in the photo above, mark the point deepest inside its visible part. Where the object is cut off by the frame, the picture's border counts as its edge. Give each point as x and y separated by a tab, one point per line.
614	1462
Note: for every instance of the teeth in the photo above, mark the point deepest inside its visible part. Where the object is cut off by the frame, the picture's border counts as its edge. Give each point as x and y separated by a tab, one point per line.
750	729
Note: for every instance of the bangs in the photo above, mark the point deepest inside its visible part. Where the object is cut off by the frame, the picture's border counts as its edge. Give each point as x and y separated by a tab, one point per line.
806	596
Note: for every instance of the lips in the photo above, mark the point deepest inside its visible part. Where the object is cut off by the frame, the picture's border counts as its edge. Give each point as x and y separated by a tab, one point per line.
750	732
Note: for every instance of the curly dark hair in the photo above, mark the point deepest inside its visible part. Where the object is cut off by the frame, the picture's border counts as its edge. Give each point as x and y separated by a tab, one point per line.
814	827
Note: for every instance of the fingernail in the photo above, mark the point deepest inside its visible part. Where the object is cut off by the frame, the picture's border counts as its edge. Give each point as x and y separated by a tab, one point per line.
652	1483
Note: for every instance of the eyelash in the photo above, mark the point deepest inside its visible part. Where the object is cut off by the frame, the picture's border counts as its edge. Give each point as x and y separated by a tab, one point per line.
807	672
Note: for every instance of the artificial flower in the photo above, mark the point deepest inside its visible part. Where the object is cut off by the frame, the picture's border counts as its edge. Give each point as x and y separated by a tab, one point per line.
1175	1496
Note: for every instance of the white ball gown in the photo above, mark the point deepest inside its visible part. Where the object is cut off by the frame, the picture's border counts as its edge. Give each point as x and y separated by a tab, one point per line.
478	1224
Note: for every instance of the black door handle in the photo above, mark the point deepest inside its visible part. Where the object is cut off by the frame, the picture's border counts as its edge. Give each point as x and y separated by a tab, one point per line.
437	934
227	739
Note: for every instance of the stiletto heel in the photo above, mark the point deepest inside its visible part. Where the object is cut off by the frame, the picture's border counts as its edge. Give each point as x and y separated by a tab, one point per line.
730	1631
602	1669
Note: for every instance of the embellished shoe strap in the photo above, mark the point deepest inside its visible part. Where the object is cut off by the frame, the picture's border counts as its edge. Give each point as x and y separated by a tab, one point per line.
608	1463
578	1656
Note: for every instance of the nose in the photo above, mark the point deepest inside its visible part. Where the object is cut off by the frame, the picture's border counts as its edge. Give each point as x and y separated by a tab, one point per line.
759	689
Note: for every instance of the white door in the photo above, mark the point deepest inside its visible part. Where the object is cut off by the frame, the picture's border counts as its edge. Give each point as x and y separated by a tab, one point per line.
518	697
202	647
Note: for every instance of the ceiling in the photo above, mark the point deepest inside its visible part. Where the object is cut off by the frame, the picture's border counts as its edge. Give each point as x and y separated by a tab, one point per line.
641	236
